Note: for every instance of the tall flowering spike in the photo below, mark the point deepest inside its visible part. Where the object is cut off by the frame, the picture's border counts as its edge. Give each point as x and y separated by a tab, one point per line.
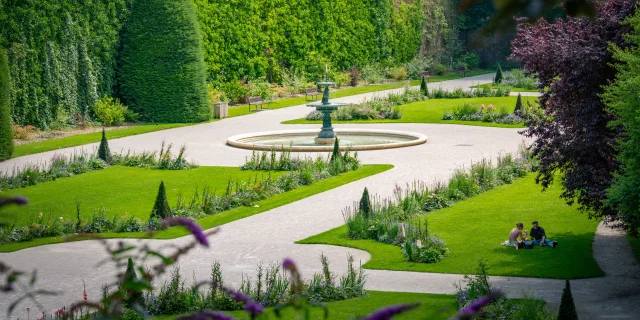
387	313
288	264
475	307
253	308
191	225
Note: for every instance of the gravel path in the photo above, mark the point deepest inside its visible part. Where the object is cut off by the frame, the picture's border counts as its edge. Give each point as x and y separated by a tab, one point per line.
270	236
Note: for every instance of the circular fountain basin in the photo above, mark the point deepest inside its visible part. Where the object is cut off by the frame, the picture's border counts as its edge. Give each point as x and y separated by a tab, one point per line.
304	140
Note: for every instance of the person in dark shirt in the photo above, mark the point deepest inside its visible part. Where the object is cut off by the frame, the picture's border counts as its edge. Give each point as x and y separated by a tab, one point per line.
539	237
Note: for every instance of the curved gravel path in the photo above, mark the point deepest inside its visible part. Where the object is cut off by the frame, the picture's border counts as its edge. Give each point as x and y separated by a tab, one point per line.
270	236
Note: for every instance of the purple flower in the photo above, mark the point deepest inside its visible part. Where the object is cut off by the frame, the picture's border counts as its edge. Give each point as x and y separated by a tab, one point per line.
191	225
253	308
476	306
237	295
207	315
19	200
387	313
288	264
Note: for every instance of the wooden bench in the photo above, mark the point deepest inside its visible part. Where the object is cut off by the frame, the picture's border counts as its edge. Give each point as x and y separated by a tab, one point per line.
461	69
257	102
311	92
426	75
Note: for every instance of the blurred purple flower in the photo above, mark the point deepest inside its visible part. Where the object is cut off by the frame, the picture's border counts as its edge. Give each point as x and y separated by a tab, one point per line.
236	295
191	225
387	313
19	200
475	307
253	308
207	315
288	264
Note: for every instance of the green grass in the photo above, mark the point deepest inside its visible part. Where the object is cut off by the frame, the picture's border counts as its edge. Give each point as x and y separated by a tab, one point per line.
289	102
433	306
132	191
513	89
85	138
476	227
431	111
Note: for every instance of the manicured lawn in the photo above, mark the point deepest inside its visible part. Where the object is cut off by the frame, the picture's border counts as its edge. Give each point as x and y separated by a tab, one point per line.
289	102
513	89
433	306
80	139
132	191
431	111
475	228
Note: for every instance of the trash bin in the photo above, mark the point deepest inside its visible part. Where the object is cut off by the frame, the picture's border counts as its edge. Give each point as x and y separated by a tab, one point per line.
221	110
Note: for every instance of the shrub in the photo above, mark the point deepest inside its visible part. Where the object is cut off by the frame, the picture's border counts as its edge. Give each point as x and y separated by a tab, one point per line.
365	203
416	66
423	87
372	73
518	108
498	78
517	78
103	150
234	91
161	208
341	78
567	307
438	69
109	111
335	154
162	74
259	88
470	60
398	73
354	73
6	134
419	246
23	133
294	81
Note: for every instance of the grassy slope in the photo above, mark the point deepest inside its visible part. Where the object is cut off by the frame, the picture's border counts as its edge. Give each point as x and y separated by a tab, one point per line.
433	306
80	139
288	102
474	229
136	189
513	89
431	111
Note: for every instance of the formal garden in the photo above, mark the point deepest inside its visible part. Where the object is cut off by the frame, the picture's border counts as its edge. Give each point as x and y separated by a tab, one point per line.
332	159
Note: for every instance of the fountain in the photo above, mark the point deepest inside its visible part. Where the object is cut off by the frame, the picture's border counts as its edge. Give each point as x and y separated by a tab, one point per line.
310	140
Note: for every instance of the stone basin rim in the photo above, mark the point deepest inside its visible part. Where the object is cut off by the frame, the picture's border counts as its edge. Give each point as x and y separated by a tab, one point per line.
239	141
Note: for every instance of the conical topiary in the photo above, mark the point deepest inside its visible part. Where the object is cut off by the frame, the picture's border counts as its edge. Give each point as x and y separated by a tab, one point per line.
499	77
103	150
6	135
133	296
518	108
365	203
567	308
336	150
423	87
161	208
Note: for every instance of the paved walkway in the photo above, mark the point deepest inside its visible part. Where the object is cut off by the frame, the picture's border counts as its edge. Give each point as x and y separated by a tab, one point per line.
270	236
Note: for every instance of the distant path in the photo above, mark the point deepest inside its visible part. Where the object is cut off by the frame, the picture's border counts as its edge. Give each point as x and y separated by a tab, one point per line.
270	236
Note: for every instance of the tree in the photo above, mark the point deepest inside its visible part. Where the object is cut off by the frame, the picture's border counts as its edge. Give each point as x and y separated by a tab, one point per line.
573	60
336	150
365	203
161	208
162	74
130	278
567	307
622	98
6	135
423	87
518	108
498	78
103	150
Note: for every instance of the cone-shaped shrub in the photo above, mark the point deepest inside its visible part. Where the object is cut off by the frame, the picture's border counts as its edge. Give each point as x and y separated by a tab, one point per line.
365	203
130	274
162	72
423	87
336	150
499	77
161	208
134	297
6	135
518	104
567	308
103	150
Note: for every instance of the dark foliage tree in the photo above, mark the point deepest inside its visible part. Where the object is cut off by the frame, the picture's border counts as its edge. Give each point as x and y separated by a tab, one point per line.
518	107
567	307
103	150
162	74
572	58
498	78
336	150
161	208
365	203
6	135
129	281
622	98
423	87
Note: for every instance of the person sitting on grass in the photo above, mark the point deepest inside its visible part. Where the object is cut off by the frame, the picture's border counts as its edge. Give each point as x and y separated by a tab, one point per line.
539	237
513	236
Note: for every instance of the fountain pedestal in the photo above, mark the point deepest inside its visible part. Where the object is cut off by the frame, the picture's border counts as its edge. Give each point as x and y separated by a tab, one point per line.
326	135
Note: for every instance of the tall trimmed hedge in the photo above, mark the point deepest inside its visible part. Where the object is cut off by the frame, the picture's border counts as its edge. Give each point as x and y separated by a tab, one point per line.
162	74
6	136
